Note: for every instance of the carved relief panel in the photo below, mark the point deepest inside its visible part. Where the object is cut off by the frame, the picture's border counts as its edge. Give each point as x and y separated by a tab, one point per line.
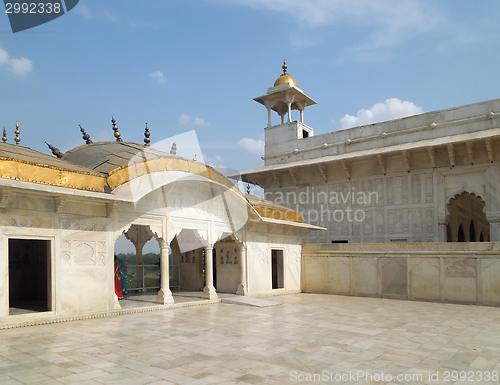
83	252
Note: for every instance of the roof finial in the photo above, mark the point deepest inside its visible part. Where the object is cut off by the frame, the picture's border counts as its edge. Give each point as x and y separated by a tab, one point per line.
17	132
4	137
55	151
173	149
248	188
86	136
284	67
115	129
146	136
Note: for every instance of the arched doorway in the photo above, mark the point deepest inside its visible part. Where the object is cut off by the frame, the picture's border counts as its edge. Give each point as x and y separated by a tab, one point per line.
472	232
467	219
461	234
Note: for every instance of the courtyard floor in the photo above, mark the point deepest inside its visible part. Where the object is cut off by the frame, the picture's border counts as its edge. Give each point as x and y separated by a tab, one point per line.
327	338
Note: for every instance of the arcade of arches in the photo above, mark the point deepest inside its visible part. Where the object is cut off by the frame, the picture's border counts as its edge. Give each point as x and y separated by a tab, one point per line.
467	220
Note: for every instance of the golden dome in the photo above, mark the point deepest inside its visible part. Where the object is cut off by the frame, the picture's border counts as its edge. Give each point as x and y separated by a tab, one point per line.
285	77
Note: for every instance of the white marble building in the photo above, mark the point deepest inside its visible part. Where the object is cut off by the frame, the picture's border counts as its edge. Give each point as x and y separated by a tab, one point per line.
61	216
432	177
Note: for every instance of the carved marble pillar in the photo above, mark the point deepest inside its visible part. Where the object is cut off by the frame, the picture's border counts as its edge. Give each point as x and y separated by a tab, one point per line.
242	256
442	233
494	227
164	296
269	124
209	290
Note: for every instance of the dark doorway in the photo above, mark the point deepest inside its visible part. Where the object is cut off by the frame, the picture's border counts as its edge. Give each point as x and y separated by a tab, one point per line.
472	232
29	276
461	234
277	270
481	237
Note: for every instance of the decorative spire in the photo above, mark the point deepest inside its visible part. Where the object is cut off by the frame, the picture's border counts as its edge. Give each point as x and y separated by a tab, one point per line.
173	149
17	132
284	66
86	136
115	129
4	137
55	151
146	136
248	188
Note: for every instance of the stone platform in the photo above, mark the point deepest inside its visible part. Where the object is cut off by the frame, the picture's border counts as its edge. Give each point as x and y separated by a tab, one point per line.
226	344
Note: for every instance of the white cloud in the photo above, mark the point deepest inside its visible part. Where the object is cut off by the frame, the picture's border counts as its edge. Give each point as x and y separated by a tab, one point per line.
20	66
87	14
185	119
215	161
160	77
389	22
253	146
210	159
393	108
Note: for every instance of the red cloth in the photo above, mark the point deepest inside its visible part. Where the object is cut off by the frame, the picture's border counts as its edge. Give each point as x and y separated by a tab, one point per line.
118	283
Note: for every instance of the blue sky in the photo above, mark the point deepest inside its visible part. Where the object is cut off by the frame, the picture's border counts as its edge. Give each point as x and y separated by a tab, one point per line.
183	65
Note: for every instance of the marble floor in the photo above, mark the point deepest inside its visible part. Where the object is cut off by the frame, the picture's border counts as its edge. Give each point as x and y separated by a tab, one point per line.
309	338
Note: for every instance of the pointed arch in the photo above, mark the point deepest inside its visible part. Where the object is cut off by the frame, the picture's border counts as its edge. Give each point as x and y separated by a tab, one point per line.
472	232
461	234
466	217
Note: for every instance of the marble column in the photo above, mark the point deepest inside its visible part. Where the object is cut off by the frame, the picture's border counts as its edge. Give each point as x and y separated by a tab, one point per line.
269	123
442	234
164	296
209	290
494	231
242	256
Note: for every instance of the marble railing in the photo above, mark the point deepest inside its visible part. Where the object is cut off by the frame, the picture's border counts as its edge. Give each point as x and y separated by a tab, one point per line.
445	272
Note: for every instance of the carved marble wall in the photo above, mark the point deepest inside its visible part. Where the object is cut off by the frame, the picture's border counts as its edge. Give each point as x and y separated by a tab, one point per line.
401	208
228	266
259	246
446	272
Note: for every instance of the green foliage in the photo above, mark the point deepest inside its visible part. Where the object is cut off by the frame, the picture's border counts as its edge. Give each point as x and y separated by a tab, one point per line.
147	259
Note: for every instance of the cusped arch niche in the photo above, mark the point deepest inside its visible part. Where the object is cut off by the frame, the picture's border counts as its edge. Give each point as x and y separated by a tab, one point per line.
467	221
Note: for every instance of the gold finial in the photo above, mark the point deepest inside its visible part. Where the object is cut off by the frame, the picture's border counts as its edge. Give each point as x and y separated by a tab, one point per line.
4	137
17	132
115	129
55	151
146	136
86	136
285	77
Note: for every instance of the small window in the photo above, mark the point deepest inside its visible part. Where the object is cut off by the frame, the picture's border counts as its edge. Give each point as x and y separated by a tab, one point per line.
305	134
